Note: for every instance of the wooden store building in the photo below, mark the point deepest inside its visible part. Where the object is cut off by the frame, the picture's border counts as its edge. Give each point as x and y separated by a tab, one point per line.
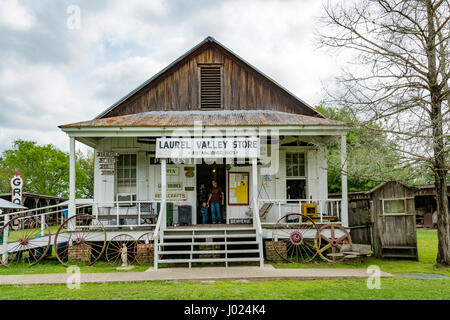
210	116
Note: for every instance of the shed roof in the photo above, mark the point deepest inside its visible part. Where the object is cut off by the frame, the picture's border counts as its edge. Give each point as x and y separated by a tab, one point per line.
4	204
207	118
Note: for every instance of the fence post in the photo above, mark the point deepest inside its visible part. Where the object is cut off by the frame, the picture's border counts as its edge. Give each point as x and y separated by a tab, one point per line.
139	213
42	225
5	240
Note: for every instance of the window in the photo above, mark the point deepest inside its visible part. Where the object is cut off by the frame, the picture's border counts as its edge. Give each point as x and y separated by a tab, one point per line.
395	206
210	87
295	175
126	177
295	164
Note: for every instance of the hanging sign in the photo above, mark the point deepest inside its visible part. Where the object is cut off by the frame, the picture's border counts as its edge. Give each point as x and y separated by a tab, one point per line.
107	162
184	148
16	189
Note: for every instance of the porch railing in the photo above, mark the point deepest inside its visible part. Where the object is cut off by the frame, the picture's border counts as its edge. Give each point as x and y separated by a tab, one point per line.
327	209
134	213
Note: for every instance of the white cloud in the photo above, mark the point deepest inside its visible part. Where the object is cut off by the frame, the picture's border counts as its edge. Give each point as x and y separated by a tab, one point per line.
15	16
50	75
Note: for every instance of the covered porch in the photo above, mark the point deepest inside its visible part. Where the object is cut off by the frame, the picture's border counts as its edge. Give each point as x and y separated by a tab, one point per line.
288	175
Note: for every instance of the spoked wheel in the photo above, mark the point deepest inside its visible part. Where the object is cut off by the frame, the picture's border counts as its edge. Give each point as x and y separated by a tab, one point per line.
326	239
28	241
297	231
144	248
81	238
116	246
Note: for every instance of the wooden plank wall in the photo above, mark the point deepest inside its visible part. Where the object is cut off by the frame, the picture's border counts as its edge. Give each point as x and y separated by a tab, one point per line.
359	221
178	89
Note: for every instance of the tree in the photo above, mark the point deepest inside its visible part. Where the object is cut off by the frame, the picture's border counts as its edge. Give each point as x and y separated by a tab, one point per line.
45	169
371	159
399	81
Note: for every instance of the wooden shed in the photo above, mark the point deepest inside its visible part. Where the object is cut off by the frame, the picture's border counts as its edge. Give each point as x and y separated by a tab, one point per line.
394	220
384	216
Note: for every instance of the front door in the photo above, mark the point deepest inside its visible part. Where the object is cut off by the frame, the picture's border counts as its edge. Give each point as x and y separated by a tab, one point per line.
205	174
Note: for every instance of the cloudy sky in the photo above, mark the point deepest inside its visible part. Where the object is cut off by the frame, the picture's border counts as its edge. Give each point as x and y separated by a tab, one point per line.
57	69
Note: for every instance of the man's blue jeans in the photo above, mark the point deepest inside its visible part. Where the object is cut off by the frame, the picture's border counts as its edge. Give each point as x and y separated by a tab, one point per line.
215	210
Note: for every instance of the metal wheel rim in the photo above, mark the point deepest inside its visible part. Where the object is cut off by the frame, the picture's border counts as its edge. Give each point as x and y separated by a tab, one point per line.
332	243
27	240
296	239
82	234
114	249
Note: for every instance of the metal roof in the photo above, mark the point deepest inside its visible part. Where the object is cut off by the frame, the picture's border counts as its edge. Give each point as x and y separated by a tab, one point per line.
208	119
4	204
34	195
208	39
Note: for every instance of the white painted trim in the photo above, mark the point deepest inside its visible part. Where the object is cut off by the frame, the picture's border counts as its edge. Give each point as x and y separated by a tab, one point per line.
207	131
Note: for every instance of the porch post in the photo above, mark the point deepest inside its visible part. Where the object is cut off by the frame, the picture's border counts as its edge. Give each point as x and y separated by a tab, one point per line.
344	206
72	179
163	193
256	218
255	185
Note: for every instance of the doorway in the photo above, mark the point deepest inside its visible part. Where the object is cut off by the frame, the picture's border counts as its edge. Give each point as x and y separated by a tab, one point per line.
205	174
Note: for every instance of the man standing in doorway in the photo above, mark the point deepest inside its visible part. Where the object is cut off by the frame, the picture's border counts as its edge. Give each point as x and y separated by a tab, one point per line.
216	197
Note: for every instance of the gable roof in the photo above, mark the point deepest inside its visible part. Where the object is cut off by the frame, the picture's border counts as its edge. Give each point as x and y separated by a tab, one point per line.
187	55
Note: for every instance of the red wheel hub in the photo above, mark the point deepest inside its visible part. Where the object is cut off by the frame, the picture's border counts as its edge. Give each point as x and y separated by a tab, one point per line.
79	240
296	238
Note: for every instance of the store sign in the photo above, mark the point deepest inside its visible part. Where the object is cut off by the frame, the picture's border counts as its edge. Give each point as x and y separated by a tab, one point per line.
175	186
173	171
172	196
107	162
185	148
16	189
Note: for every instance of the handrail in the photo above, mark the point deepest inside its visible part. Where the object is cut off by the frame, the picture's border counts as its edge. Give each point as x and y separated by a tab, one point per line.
323	205
158	223
298	200
38	209
257	218
61	204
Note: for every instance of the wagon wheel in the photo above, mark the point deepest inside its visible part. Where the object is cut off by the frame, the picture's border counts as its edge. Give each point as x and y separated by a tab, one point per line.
115	248
146	238
331	242
26	245
297	235
85	243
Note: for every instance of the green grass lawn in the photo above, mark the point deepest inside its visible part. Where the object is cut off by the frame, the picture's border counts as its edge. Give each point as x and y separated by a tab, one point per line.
427	243
391	288
228	290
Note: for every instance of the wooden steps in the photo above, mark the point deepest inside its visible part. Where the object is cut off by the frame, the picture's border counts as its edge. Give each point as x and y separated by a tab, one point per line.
215	245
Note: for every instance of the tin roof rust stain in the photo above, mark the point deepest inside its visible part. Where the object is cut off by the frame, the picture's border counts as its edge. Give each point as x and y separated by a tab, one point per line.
208	119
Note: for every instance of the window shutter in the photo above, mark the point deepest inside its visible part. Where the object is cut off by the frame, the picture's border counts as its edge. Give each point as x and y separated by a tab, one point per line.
210	87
